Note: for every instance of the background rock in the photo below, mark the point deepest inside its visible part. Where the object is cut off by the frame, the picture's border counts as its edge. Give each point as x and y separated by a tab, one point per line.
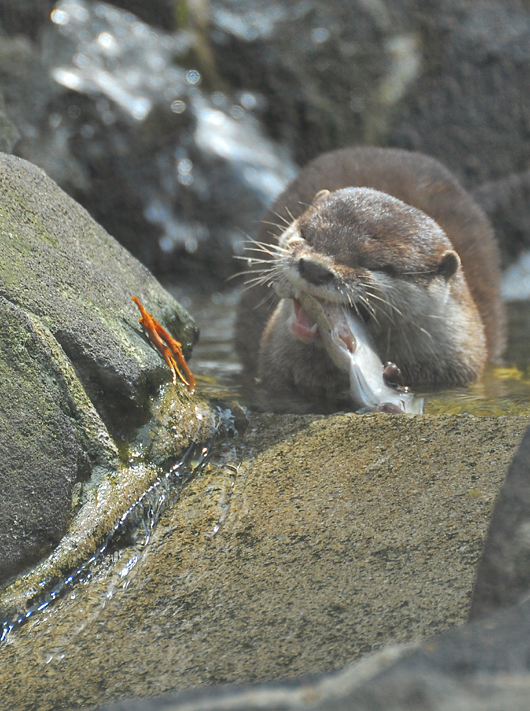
180	163
176	170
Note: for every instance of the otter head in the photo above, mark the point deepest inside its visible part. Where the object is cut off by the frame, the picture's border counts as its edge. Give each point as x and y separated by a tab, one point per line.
396	269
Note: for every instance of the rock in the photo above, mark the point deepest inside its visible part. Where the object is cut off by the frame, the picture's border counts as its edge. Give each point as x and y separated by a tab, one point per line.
59	265
479	667
503	575
466	103
171	166
304	545
78	378
506	201
50	438
24	16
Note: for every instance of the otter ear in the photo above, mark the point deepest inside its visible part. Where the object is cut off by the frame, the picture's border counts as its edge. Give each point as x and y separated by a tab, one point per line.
448	265
320	196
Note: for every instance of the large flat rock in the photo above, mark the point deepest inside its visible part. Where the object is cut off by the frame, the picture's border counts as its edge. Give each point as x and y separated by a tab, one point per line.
312	542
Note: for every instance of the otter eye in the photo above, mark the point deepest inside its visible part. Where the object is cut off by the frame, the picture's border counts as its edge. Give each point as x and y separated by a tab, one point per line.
389	269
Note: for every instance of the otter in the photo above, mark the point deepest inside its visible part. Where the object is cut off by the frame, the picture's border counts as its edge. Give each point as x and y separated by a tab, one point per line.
390	237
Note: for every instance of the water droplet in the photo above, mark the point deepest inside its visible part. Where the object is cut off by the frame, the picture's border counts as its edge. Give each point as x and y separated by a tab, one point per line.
185	165
218	98
237	112
87	131
185	179
193	77
60	17
178	107
74	111
248	101
106	40
81	60
191	245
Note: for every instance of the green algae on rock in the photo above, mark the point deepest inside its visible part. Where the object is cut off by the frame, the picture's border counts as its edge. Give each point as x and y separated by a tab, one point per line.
79	377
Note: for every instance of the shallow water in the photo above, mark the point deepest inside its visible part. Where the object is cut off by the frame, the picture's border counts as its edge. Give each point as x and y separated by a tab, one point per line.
501	391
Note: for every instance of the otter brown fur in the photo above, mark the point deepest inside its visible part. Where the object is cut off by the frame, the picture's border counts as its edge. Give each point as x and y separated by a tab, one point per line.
395	235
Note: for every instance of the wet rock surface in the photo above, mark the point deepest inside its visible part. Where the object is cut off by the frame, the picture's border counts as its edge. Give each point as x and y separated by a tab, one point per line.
51	439
312	542
78	374
62	267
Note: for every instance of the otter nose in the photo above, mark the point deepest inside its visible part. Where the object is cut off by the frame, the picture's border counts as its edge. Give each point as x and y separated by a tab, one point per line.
314	272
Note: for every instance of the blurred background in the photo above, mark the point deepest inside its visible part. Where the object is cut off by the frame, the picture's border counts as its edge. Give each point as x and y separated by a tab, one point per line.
175	123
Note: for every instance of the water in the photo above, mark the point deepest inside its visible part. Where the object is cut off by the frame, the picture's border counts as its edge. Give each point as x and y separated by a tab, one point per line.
198	161
126	544
501	391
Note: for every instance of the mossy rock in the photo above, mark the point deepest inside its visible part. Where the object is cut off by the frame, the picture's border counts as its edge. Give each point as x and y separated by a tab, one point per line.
78	375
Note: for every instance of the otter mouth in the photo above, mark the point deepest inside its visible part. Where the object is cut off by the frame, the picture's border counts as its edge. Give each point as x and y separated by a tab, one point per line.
373	386
306	329
303	326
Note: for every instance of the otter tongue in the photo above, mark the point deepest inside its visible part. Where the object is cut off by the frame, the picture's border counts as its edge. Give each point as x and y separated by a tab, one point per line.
350	345
303	325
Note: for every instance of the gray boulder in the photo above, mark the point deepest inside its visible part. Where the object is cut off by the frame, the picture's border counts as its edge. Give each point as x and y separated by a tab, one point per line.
78	373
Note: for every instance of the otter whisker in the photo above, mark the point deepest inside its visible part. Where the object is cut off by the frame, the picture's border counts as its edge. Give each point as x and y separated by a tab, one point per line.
385	302
290	214
284	219
271	296
251	261
423	330
262	273
264	248
279	252
273	224
248	285
238	274
370	309
266	278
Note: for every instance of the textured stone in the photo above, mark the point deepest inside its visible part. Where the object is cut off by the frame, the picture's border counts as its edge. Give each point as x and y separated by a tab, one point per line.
305	545
479	667
60	265
503	576
51	437
78	376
